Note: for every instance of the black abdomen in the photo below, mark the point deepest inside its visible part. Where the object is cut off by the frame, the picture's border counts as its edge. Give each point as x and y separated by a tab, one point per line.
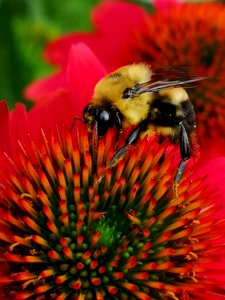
163	113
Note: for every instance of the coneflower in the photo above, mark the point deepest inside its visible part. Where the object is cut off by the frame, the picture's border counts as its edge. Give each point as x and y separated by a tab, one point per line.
64	235
67	235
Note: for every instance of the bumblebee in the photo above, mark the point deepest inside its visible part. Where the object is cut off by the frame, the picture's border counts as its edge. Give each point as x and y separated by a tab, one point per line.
150	102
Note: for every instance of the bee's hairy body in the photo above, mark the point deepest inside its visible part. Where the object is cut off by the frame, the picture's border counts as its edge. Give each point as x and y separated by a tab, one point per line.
135	96
159	112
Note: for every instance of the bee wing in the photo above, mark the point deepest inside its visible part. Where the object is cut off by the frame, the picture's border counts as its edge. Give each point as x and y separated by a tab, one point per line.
172	72
170	77
180	73
156	86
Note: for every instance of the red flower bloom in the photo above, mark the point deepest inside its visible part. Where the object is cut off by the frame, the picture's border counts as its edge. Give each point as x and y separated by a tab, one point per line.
66	236
185	34
163	5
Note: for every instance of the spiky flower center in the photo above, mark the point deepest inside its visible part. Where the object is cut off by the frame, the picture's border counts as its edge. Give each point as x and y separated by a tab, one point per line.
126	237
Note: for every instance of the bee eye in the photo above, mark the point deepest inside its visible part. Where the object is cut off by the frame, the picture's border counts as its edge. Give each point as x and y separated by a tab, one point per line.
104	121
104	116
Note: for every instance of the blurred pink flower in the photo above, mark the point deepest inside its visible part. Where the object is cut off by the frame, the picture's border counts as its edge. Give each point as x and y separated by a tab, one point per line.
163	5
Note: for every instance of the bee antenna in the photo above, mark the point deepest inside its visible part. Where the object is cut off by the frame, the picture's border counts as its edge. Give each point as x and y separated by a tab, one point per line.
74	122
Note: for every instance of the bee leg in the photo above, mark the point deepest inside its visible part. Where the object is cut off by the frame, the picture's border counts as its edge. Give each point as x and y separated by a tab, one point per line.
132	138
95	143
74	122
185	152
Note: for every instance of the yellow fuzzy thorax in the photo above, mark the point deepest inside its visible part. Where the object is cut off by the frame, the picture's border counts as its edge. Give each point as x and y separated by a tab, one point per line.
109	93
110	90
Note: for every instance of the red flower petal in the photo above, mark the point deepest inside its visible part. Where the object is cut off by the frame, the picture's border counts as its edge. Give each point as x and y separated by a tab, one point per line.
113	16
79	78
54	108
109	18
18	126
215	170
82	62
62	105
43	87
165	4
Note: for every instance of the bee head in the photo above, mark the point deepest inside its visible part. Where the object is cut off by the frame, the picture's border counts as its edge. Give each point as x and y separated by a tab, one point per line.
103	118
114	93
